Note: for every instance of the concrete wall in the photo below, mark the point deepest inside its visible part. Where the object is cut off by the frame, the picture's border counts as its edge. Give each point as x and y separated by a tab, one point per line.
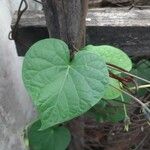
16	109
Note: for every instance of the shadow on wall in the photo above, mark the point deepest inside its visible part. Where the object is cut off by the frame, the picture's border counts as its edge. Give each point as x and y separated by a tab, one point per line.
16	109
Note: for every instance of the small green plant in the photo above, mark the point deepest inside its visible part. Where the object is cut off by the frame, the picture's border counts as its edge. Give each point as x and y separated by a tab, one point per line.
62	89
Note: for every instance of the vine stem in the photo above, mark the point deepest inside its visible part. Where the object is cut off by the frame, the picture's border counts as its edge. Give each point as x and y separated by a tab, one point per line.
127	73
136	99
124	106
127	119
141	86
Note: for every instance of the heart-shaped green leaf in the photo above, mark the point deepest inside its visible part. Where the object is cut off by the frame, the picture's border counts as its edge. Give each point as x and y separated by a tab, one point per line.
109	113
112	55
142	69
111	92
61	89
57	138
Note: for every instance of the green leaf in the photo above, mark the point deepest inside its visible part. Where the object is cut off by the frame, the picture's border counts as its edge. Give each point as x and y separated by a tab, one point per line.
111	55
115	114
57	138
142	69
110	113
111	92
60	89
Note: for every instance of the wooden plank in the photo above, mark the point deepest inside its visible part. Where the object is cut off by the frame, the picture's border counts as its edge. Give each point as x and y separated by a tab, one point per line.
128	30
135	41
96	17
95	3
121	17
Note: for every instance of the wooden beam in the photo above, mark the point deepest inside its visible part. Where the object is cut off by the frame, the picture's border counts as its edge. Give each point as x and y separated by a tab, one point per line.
100	17
119	27
95	3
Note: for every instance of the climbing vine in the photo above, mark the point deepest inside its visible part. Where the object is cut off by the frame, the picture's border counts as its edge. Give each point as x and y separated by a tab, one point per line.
91	83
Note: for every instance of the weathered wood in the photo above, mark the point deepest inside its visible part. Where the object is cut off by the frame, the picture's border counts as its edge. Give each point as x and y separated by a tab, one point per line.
122	17
118	17
65	20
135	41
123	28
95	3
